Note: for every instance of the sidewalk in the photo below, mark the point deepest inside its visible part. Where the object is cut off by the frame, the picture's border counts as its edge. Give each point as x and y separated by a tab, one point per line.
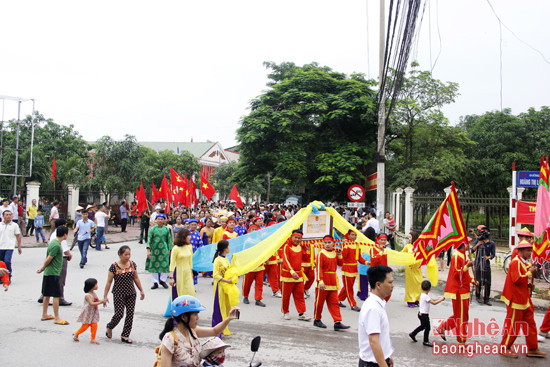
113	235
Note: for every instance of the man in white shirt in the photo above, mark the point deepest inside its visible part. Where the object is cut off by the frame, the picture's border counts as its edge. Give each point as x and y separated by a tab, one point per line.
99	219
5	206
372	222
9	236
375	347
14	209
54	215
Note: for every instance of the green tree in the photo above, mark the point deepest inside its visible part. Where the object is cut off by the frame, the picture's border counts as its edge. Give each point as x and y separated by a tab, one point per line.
153	166
424	151
50	140
501	139
116	165
313	128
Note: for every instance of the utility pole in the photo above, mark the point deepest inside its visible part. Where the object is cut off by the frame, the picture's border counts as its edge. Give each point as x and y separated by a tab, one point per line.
380	156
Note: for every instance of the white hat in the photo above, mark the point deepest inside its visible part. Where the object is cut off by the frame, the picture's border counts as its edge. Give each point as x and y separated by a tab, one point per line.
211	345
78	207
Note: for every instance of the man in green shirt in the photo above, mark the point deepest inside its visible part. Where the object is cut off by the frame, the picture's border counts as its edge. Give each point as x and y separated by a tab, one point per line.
52	270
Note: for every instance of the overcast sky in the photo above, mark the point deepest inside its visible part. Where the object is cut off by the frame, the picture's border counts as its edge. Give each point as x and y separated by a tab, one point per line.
176	70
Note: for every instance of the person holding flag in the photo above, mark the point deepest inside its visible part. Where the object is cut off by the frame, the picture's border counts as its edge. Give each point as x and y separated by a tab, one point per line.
292	277
229	232
351	255
519	306
327	284
257	276
458	290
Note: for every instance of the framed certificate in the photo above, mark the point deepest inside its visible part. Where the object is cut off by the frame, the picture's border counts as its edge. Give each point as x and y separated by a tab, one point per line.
316	226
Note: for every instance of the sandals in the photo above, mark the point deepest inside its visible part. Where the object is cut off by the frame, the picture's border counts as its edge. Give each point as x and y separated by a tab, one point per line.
75	338
49	317
62	322
109	334
126	340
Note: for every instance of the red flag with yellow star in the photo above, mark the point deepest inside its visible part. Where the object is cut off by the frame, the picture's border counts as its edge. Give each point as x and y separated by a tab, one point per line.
175	179
206	188
235	196
155	195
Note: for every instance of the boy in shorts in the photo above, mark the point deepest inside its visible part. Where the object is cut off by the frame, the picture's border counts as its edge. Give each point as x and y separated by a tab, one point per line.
52	271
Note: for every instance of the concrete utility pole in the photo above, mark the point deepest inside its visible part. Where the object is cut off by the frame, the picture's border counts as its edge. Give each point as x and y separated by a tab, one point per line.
380	156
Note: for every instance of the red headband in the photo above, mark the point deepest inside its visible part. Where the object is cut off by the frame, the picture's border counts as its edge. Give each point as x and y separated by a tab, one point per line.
382	236
296	234
328	237
231	220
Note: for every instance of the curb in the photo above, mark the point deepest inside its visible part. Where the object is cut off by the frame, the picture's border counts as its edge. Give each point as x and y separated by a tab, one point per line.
44	245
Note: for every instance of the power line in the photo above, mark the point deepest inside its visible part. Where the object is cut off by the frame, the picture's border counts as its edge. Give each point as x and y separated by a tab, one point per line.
438	35
519	39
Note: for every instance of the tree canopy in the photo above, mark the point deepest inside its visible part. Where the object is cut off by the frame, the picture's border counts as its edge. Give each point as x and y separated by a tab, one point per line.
313	128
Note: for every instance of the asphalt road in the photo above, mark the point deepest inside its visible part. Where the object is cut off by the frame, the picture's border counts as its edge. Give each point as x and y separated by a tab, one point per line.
27	341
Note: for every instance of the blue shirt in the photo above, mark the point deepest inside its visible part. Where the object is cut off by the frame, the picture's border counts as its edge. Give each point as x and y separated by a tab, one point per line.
84	229
240	230
196	241
362	269
123	212
39	221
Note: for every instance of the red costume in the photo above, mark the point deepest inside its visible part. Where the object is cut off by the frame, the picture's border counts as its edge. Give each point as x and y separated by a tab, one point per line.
378	256
350	255
327	264
308	266
256	275
458	290
519	308
272	270
292	264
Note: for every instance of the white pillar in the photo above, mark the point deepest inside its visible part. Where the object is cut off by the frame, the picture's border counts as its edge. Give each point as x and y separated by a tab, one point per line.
408	209
398	193
72	201
447	190
513	216
33	192
101	197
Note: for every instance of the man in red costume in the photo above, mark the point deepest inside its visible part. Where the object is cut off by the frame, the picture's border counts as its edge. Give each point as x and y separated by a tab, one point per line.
458	290
378	255
350	254
327	284
519	307
229	233
257	276
308	266
292	277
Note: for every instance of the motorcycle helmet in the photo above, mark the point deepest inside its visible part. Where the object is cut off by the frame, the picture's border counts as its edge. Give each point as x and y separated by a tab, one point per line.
184	304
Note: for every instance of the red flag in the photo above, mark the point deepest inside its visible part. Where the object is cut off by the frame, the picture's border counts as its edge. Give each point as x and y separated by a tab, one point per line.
235	196
181	197
192	192
445	229
175	179
141	199
54	167
175	196
155	195
207	189
185	190
165	193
